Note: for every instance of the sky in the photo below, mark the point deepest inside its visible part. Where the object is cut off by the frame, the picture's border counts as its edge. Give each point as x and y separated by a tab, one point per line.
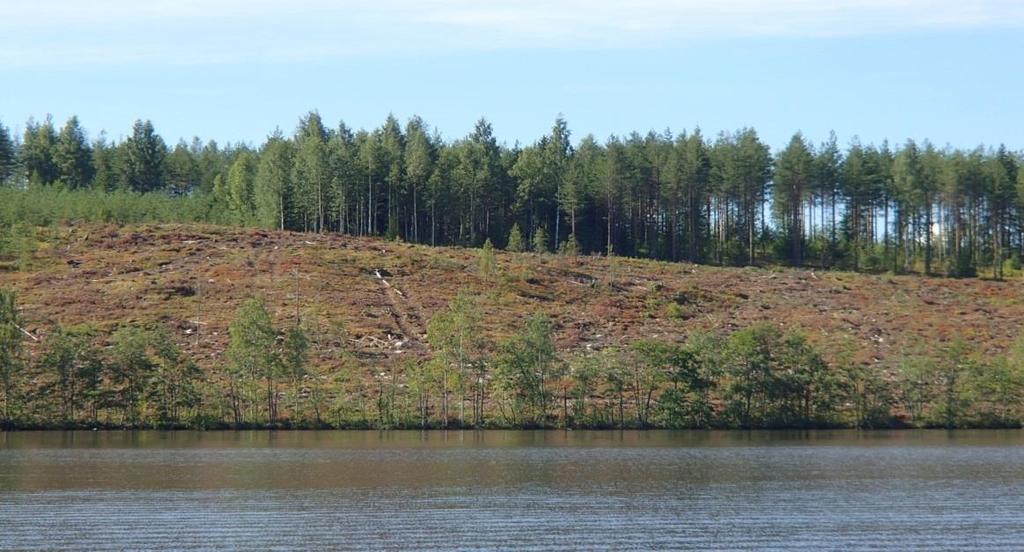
234	70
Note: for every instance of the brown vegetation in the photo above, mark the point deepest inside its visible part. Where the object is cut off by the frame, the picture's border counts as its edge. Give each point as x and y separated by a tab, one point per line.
373	298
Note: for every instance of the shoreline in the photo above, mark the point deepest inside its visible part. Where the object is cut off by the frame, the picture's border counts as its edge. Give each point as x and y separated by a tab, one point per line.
363	429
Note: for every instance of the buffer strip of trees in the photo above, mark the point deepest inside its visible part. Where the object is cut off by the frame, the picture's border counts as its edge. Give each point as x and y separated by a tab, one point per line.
758	377
727	200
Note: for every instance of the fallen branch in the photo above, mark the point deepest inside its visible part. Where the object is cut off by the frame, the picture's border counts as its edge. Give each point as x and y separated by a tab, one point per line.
26	332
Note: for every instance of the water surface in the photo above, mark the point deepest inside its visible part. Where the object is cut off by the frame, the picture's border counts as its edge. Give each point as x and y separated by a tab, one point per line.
911	490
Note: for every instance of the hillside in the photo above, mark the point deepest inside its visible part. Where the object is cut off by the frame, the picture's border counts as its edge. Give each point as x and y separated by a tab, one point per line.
374	298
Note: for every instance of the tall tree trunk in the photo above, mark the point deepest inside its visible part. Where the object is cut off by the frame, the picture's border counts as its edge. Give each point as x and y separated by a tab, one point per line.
928	236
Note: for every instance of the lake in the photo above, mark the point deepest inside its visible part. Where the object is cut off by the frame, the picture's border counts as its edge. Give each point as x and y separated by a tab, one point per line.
529	490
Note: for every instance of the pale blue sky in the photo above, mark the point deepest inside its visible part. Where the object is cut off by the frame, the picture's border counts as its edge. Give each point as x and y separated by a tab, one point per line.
231	70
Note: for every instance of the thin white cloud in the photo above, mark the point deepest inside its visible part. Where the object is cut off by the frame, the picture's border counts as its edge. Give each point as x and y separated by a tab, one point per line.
46	32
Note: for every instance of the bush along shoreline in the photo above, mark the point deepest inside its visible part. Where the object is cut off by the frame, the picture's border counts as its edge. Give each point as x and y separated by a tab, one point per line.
759	377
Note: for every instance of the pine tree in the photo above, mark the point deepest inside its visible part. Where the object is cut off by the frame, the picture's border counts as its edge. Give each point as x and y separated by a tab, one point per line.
570	246
827	164
515	240
794	174
487	262
540	240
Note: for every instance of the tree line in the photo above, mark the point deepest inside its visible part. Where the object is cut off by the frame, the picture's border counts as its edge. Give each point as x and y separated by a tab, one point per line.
757	377
728	199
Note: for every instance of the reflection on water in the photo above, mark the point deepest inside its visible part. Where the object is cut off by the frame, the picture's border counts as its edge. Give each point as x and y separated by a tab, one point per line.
504	489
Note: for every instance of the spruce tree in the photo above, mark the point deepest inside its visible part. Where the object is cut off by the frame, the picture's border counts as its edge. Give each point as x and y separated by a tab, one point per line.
144	156
37	152
104	163
72	156
8	156
274	188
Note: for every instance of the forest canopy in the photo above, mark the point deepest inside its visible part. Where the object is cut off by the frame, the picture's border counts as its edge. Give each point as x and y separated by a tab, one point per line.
727	199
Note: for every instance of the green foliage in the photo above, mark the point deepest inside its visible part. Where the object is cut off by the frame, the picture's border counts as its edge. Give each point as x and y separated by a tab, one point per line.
131	366
570	246
8	156
294	362
273	186
664	196
143	159
585	374
960	389
241	188
996	390
296	353
649	369
690	370
777	379
794	174
659	195
523	365
174	389
953	371
540	240
871	397
36	152
254	359
18	244
515	240
12	359
310	173
46	206
917	386
454	335
486	261
759	377
72	156
76	367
